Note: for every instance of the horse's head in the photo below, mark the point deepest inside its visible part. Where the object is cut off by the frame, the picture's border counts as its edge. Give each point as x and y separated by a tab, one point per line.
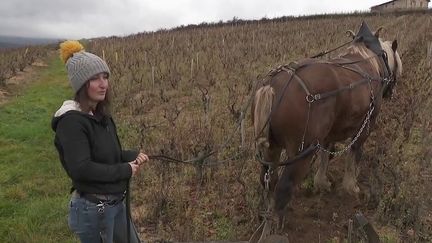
385	49
394	65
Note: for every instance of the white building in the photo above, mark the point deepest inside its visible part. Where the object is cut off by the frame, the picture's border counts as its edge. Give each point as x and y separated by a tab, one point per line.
400	5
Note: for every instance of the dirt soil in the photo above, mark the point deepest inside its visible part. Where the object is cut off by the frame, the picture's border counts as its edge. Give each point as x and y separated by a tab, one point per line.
11	85
323	217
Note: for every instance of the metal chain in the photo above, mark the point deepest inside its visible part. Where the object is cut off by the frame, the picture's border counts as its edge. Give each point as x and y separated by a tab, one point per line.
371	107
306	126
365	122
267	178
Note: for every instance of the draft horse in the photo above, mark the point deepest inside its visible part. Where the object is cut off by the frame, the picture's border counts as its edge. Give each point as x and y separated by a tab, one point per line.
306	107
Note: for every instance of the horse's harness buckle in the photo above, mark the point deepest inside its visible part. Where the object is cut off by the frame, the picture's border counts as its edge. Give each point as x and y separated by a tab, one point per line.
310	98
387	80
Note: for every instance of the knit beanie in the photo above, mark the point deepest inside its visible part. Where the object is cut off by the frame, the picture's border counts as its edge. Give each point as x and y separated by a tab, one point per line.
80	65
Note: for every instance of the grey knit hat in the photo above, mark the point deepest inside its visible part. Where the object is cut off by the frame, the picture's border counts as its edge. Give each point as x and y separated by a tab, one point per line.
82	66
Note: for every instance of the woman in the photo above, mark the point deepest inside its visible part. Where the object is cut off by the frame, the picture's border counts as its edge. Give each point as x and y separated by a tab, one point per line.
90	152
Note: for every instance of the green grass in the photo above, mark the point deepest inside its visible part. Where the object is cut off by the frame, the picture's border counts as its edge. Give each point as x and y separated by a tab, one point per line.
224	228
33	186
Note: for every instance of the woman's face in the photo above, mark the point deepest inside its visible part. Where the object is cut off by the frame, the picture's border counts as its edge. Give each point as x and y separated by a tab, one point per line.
98	86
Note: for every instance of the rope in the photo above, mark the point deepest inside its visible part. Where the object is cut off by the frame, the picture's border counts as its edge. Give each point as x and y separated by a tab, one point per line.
293	160
128	216
201	159
128	213
332	50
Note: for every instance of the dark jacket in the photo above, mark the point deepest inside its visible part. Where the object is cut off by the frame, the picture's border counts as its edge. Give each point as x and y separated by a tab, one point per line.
91	153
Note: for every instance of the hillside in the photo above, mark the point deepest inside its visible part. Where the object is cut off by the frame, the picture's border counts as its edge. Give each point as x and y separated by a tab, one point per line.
9	45
161	81
181	93
33	188
16	42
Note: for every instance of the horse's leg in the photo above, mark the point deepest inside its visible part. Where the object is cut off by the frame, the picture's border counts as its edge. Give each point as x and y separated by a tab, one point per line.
351	171
291	176
321	182
351	163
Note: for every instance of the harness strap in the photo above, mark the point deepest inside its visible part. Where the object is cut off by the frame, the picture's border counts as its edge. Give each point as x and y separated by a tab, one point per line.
289	70
299	80
290	161
325	95
303	84
310	98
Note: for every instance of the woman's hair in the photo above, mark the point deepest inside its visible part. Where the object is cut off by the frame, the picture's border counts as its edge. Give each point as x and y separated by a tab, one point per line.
102	108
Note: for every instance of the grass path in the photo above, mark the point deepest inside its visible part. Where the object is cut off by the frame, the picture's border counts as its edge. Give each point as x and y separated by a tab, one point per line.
33	187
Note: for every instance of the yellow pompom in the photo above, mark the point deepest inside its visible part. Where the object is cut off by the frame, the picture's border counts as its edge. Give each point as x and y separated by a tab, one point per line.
68	48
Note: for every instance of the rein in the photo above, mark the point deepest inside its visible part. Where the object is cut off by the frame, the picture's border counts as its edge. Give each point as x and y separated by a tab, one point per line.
201	159
332	50
310	98
291	161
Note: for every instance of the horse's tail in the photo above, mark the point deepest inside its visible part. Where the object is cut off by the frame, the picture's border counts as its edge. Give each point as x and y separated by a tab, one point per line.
261	115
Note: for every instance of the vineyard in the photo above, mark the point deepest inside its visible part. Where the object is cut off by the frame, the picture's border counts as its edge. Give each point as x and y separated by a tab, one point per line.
183	93
16	60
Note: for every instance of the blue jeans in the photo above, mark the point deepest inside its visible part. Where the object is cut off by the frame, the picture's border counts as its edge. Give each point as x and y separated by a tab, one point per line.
93	225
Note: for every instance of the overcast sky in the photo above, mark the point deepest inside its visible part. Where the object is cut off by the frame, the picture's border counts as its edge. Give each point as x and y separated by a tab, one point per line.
94	18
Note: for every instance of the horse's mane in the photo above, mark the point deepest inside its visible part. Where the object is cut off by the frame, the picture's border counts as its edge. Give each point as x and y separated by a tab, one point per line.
364	53
393	57
394	60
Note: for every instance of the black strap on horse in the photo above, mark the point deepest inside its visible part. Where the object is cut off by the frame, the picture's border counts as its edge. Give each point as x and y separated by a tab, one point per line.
366	78
291	161
291	69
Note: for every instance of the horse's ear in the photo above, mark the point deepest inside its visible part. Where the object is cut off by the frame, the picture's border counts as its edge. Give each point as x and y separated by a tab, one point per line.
394	45
377	32
351	34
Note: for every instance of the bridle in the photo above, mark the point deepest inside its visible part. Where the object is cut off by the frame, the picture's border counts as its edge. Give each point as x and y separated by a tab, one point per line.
389	80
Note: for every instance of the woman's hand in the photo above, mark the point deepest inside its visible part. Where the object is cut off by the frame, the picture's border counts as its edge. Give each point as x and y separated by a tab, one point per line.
136	164
135	167
141	158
